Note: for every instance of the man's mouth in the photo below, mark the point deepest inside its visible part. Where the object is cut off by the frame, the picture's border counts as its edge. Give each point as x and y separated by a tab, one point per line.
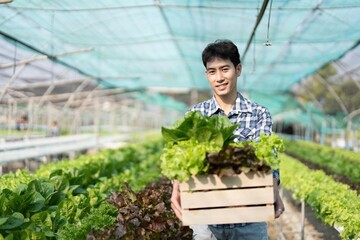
221	86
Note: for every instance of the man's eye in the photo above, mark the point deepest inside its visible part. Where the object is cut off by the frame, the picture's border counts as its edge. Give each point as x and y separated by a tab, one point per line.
225	69
212	72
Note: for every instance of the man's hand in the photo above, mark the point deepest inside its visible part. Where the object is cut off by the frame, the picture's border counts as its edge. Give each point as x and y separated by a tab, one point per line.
175	200
279	205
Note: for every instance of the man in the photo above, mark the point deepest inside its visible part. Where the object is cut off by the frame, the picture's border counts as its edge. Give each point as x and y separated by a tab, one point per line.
222	63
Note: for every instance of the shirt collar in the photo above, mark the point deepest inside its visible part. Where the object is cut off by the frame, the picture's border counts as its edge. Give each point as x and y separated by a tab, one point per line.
242	104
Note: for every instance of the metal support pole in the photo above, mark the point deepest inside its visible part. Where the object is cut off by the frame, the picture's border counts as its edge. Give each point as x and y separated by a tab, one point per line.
30	116
27	164
322	134
348	119
308	124
9	118
35	116
333	136
123	114
74	125
302	230
112	118
48	117
97	123
194	95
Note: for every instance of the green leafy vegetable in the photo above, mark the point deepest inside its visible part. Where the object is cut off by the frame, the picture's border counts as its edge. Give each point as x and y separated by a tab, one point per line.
63	200
333	203
340	161
217	129
13	221
198	144
267	149
186	158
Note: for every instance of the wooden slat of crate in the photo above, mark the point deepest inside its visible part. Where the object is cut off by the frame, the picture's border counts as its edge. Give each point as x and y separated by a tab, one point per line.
228	197
233	199
206	182
228	215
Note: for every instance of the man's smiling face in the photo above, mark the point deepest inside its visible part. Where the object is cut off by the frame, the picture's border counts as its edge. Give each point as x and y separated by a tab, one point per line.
222	76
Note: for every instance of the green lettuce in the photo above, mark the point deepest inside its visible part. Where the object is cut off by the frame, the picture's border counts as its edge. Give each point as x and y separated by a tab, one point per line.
198	144
216	129
188	142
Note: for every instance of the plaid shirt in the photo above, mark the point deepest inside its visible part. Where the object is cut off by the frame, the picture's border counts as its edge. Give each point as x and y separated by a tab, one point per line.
252	118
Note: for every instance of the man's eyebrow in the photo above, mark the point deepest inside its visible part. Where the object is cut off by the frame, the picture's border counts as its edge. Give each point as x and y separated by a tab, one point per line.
227	65
223	66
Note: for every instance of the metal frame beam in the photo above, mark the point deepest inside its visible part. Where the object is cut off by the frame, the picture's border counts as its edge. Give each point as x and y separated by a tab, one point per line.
11	80
52	57
332	91
58	82
44	57
62	96
77	90
167	23
346	72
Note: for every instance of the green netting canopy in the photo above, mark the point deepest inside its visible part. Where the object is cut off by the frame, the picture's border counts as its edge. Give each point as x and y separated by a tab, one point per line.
161	100
158	44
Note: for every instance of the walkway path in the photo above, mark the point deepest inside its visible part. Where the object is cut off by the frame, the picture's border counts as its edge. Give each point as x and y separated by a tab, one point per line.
288	226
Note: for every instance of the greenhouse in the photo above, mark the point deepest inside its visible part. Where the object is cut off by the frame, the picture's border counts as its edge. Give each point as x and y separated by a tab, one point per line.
97	127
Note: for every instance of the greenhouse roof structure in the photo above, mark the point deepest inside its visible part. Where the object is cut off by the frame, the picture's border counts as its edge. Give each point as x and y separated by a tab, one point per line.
156	44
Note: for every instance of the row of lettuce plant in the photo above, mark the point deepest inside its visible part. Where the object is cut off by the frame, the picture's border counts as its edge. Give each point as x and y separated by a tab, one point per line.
334	203
340	161
103	163
84	163
67	198
137	176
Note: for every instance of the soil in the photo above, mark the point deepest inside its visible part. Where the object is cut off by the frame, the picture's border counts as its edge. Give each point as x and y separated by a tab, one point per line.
288	225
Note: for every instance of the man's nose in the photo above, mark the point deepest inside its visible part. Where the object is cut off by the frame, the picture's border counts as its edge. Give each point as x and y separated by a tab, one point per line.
219	76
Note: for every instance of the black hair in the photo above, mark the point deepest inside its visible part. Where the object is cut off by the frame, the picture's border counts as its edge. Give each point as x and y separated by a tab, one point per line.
221	48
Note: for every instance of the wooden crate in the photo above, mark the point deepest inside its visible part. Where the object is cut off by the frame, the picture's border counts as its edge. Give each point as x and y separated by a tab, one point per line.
236	199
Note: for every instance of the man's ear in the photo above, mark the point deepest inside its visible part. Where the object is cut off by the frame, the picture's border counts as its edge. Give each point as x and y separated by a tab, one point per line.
238	69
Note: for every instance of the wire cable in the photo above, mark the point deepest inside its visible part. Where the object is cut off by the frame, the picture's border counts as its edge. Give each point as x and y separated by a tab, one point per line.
259	17
268	43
